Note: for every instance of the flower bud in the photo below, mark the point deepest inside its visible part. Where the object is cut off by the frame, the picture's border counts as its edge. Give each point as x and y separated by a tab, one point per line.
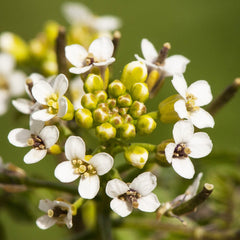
137	109
111	102
89	101
101	115
127	130
84	118
70	111
123	111
139	92
127	118
136	155
146	124
101	96
166	109
134	72
116	88
116	120
51	29
105	131
55	149
93	83
124	100
103	73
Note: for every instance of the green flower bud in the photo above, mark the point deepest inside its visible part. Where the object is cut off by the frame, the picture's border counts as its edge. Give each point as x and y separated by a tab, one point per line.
127	118
105	131
101	96
146	124
137	109
123	111
101	115
139	92
89	101
116	120
93	83
111	102
70	111
134	72
84	118
166	109
104	74
124	100
136	155
51	29
127	130
116	88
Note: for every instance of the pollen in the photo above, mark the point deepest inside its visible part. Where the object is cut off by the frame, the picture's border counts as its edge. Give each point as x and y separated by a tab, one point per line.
52	103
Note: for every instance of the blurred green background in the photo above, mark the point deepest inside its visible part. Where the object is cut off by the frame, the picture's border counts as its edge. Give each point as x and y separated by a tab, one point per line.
206	32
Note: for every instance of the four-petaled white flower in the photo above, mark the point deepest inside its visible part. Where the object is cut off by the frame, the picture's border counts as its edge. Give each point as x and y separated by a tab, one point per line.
137	194
11	81
187	144
50	96
79	165
175	64
40	138
58	212
99	54
196	95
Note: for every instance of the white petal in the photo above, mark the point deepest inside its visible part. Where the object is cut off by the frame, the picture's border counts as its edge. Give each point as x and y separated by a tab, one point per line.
106	23
202	91
36	126
49	135
7	63
144	183
183	167
75	148
76	54
101	48
45	205
89	186
202	119
19	137
149	64
180	108
116	187
42	115
120	207
45	222
23	105
41	91
102	162
4	98
63	106
183	131
179	83
34	156
64	172
80	70
148	203
200	145
169	150
60	85
104	63
175	64
16	83
148	50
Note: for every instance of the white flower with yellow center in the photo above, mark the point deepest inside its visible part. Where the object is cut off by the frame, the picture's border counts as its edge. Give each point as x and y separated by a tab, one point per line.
187	144
79	165
40	138
169	66
137	194
58	212
51	98
99	54
196	95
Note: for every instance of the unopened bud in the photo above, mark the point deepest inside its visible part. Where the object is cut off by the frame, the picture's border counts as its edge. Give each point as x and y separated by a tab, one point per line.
137	156
116	88
116	120
123	111
105	131
100	115
127	130
127	118
103	73
70	110
89	101
146	124
55	149
93	83
137	109
84	118
101	96
134	72
124	100
139	92
111	102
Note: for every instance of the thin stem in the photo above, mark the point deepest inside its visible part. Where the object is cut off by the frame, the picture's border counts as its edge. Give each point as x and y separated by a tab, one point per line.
224	97
116	38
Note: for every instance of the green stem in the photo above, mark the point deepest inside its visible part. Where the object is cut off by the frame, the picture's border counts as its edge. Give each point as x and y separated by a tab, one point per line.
147	146
154	115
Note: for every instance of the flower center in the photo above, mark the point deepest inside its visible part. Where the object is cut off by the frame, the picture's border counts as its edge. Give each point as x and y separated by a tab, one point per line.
3	83
190	104
83	168
57	212
90	59
131	196
36	142
181	151
52	103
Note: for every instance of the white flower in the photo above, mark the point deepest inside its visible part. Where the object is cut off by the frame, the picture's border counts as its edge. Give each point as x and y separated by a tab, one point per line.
175	64
187	143
99	54
51	98
11	81
196	95
40	138
79	165
58	212
77	13
137	194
